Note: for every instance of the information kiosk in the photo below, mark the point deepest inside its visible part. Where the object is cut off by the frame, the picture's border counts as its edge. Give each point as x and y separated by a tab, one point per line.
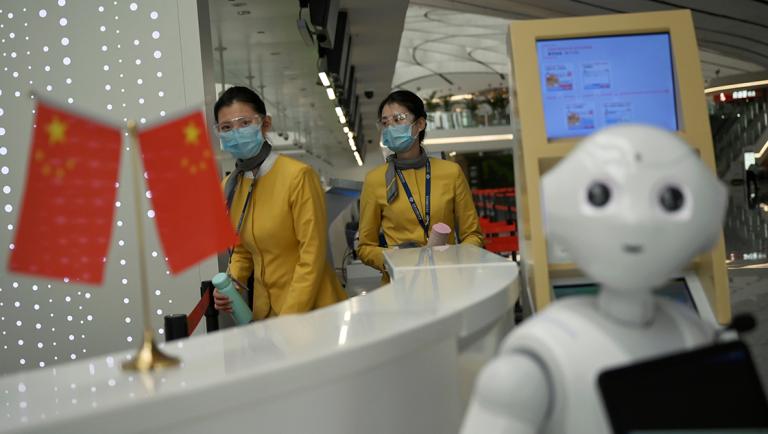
573	76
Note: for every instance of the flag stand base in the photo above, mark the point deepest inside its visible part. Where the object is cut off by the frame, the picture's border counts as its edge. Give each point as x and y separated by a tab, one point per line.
149	357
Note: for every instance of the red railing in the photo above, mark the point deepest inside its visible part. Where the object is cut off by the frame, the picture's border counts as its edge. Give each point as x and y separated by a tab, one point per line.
498	217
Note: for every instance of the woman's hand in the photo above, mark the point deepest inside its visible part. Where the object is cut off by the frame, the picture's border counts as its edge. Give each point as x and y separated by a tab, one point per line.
221	302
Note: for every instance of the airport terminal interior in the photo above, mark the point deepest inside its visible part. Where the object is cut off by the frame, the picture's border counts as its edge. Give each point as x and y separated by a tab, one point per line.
510	313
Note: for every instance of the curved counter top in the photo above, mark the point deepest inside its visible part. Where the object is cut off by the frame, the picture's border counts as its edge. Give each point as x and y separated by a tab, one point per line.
382	362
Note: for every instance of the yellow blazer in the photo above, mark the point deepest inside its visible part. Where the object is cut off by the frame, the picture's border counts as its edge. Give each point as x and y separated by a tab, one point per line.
284	239
451	204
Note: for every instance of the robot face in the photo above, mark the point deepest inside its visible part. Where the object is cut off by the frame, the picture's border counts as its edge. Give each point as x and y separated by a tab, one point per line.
633	204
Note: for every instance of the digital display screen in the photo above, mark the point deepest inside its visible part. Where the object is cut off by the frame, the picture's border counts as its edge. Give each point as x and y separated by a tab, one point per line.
676	289
715	389
590	83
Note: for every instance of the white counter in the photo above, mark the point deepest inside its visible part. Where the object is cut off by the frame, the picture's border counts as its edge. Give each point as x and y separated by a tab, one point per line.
384	362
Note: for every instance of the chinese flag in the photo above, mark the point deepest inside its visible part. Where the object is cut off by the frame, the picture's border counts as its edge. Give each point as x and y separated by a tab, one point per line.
69	201
186	193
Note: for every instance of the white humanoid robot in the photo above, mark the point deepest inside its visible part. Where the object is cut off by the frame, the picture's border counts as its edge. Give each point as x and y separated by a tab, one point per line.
632	205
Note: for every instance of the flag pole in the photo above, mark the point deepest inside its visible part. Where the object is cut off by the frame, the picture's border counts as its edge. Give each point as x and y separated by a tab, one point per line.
149	356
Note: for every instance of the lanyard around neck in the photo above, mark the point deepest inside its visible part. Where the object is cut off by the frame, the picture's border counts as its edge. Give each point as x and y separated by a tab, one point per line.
423	220
245	206
242	214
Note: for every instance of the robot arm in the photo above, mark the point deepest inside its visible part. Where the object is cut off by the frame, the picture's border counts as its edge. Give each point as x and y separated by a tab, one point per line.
512	395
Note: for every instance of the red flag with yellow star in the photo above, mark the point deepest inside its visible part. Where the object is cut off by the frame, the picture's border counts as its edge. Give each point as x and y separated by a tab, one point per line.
66	215
186	192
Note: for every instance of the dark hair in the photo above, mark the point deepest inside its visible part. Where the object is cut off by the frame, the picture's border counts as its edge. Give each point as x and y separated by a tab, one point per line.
239	94
409	100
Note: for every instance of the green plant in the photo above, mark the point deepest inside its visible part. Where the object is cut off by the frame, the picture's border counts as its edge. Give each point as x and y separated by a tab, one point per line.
498	102
471	104
429	104
446	102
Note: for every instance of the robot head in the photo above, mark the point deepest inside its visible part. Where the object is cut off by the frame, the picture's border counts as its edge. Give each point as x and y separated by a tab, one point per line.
633	204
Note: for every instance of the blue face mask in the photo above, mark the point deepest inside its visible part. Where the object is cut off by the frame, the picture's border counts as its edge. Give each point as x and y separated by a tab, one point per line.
242	143
397	138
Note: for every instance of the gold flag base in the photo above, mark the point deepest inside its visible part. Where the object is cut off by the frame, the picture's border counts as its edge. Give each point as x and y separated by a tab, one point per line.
149	357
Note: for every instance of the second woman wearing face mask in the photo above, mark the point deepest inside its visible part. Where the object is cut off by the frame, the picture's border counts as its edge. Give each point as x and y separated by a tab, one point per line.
411	192
278	207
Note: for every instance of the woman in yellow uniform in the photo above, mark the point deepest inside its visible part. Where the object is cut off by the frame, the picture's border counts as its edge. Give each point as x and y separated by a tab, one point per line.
409	193
278	207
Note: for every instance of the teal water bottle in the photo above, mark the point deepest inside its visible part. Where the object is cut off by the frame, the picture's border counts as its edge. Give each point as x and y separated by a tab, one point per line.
240	310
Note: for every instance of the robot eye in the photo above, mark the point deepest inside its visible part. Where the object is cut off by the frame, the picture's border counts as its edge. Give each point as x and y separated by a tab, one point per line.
598	194
671	198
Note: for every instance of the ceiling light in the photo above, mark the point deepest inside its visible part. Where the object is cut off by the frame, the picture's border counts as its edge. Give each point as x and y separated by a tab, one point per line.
357	157
342	119
331	94
352	144
736	86
468	139
339	111
350	135
461	97
324	79
346	130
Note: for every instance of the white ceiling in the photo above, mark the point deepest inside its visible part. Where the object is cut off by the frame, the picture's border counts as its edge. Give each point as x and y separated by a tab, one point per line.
461	40
451	52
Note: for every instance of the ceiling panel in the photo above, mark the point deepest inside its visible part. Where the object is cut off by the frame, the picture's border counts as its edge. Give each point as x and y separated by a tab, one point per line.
733	37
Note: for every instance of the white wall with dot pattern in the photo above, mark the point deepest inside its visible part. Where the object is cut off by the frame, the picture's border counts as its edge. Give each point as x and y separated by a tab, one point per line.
119	60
